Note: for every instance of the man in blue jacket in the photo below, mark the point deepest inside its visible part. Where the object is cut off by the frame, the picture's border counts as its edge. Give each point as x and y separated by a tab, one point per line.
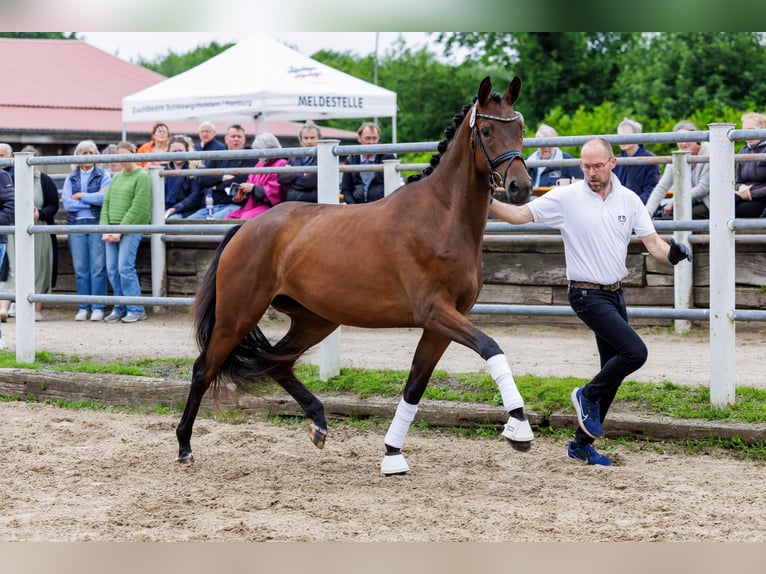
640	178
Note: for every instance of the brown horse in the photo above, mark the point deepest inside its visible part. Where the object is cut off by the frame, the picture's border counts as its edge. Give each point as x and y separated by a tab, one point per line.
412	259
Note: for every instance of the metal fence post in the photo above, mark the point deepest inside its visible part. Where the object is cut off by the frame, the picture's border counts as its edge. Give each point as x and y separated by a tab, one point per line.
391	178
158	254
25	258
328	180
722	266
683	284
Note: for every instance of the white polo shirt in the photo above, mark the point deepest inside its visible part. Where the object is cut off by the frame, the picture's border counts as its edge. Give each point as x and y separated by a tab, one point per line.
596	232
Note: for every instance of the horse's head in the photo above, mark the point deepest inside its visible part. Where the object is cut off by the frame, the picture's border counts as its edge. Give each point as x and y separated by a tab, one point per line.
498	134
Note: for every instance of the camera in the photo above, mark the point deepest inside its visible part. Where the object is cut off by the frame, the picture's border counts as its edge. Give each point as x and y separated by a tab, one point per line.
232	190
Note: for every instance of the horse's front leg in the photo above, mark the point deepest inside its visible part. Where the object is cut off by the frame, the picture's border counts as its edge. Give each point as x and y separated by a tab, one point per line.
430	349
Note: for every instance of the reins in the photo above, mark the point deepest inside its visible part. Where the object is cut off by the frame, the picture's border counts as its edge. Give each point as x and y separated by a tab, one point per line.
495	180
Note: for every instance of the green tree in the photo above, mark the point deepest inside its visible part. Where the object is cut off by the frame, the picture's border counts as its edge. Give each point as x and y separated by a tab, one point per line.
40	35
172	64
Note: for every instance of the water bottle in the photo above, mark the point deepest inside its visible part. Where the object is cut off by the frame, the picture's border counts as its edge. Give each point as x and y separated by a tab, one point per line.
209	206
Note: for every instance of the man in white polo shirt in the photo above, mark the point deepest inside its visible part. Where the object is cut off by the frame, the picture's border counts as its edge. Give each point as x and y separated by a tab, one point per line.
597	218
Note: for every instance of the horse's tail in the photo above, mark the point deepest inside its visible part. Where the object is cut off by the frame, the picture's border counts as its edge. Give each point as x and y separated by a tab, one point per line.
204	300
254	355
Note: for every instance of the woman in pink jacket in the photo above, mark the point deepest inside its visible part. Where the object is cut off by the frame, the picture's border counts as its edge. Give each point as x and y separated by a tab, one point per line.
261	190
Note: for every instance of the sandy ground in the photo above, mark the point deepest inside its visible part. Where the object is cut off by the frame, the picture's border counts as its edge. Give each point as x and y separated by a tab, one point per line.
82	475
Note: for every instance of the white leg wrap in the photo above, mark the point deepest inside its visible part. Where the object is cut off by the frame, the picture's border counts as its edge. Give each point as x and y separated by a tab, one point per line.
501	373
405	414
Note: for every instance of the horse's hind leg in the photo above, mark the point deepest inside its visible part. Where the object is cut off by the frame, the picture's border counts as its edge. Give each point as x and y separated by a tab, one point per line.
199	386
430	349
306	330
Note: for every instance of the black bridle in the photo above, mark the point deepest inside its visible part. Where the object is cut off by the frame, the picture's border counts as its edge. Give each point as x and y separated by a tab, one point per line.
495	180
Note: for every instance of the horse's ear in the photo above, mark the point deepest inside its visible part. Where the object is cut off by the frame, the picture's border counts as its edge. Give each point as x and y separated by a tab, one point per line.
512	93
485	89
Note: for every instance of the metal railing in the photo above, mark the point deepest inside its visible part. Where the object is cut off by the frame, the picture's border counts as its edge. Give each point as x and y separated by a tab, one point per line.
721	314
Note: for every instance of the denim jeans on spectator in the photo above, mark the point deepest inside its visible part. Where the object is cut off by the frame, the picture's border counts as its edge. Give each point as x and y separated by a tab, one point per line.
89	262
220	211
121	267
620	348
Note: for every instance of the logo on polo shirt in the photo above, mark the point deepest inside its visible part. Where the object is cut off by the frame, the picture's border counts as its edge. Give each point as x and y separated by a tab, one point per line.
622	219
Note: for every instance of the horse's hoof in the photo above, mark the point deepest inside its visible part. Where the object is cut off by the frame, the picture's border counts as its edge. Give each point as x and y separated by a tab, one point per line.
185	458
317	435
520	446
394	464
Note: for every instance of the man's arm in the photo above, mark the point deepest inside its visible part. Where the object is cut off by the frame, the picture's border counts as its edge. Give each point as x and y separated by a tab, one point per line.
515	214
671	253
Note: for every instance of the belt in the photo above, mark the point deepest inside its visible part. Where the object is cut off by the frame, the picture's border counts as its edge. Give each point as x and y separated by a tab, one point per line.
587	285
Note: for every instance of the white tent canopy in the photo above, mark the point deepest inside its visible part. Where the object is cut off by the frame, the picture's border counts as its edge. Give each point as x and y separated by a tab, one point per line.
260	79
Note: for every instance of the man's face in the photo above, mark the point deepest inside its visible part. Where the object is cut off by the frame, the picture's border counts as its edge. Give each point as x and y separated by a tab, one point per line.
596	166
369	136
546	152
206	134
4	152
235	139
309	138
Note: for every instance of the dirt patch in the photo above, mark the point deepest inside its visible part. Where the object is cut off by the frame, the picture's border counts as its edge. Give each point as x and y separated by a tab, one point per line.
84	475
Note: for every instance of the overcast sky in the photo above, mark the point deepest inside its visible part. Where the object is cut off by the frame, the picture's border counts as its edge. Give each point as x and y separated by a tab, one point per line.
130	45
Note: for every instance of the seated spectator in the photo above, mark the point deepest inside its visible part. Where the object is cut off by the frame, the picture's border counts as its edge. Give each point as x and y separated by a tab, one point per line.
750	184
548	176
158	144
658	206
183	195
217	185
303	186
364	186
641	179
261	191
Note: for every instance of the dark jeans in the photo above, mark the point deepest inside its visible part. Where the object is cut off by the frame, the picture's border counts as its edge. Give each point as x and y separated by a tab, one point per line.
620	348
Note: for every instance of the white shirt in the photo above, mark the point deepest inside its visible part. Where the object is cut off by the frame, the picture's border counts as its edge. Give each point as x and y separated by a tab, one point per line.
596	232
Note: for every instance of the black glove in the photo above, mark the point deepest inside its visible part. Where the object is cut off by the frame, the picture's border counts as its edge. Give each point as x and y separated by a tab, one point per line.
259	193
678	252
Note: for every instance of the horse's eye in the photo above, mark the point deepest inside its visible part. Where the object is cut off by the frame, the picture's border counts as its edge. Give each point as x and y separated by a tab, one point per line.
485	132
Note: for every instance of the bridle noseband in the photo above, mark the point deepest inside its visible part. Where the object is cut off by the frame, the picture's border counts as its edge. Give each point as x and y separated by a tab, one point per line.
495	181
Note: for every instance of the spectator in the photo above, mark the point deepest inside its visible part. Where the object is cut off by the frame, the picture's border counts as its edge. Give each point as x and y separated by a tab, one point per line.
128	201
750	184
364	186
548	176
261	190
217	185
158	144
303	186
7	211
642	179
700	180
207	141
83	196
46	204
183	195
113	166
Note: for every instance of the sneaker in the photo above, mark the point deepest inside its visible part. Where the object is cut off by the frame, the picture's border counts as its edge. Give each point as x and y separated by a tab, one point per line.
134	317
3	345
586	453
3	314
588	415
113	317
82	315
39	316
97	315
12	310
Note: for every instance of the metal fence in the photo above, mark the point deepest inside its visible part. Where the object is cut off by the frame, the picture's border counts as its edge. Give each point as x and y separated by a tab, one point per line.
722	227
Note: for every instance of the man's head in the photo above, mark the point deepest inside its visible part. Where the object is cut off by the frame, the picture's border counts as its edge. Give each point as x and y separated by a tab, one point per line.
368	134
597	162
6	150
692	147
546	131
309	134
235	137
206	132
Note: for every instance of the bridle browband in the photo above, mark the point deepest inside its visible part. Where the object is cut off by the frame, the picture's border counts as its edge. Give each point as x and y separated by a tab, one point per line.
495	180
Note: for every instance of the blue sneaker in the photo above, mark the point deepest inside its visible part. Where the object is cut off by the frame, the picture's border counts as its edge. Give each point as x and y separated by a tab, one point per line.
586	453
587	414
